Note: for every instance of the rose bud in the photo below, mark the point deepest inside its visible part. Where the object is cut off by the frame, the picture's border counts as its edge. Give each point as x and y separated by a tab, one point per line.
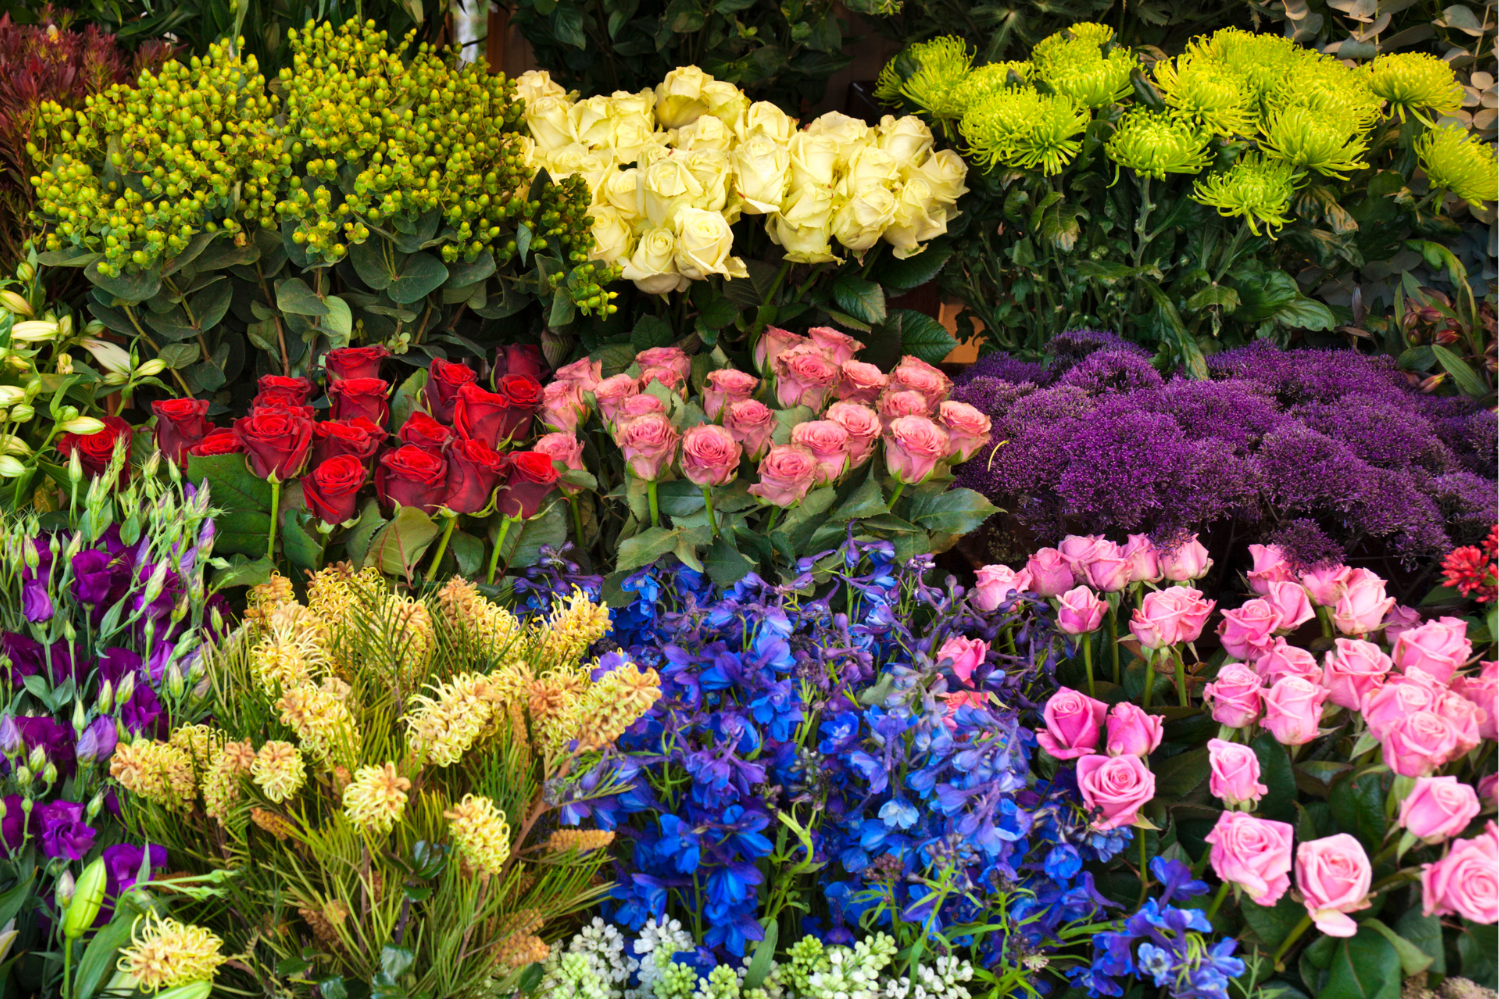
1438	808
1235	773
331	490
356	397
583	373
1333	874
563	408
1116	787
279	390
444	379
710	455
219	440
276	441
829	443
1080	611
409	476
358	437
1325	585
672	358
1247	633
863	426
567	449
420	430
838	346
1073	720
180	423
914	448
521	359
1363	605
893	405
525	396
860	382
1144	560
805	377
1051	576
1236	697
772	343
1254	854
1284	659
1270	566
529	479
649	443
96	450
1106	569
1398	621
481	416
474	471
1419	744
1132	732
786	474
968	428
751	422
639	405
1187	561
611	394
724	387
998	583
354	362
1437	648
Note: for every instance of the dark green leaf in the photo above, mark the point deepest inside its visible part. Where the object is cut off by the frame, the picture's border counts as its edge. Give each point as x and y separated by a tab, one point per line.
419	276
1478	949
1357	806
1425	932
725	565
407	398
1276	773
922	336
1365	966
102	954
567	26
867	501
1463	376
1272	924
912	272
1220	295
210	305
765	950
522	241
179	355
645	547
400	544
1306	314
293	295
369	263
357	541
679	498
649	332
244	572
130	288
396	961
468	554
1413	960
230	482
1263	294
301	541
951	511
1178	776
864	300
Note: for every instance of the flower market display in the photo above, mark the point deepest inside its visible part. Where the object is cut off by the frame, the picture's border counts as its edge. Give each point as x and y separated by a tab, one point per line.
467	538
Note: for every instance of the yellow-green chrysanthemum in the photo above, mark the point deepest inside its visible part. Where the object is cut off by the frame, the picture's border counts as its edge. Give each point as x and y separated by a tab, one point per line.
481	833
1329	144
1322	84
1415	82
1458	162
1208	90
1257	189
941	64
278	770
1021	128
1155	144
1259	60
1065	45
167	953
1093	81
986	81
375	798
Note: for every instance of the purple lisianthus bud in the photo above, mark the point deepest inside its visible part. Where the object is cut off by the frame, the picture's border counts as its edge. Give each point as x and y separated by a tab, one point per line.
98	740
62	830
36	603
10	735
13	823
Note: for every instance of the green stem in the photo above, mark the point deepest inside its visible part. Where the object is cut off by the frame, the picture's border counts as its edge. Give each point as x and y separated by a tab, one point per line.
1149	683
67	967
270	550
1087	643
1114	642
1144	869
708	501
1285	945
899	488
1181	676
655	507
442	547
499	546
1218	899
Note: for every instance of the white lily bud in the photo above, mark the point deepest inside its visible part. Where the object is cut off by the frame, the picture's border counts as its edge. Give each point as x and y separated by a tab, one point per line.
15	303
11	395
75	467
34	331
151	368
10	468
83	426
24	271
111	356
21	413
11	444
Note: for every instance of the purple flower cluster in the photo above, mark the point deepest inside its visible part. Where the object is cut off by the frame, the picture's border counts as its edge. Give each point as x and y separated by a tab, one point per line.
1323	452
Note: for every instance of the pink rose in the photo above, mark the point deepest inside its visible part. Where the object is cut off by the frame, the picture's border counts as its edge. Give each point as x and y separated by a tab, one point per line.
860	382
863	426
893	405
751	422
786	474
839	346
1051	576
1353	671
1483	691
584	373
1384	707
1108	570
724	387
996	584
1465	882
1072	723
672	358
1488	789
914	447
1293	709
1254	854
1326	585
710	455
1290	602
1116	786
1363	605
1438	648
969	428
1270	566
1081	611
805	377
1236	776
1438	808
1247	632
611	394
1419	744
1284	659
564	448
1144	560
772	343
669	379
563	407
1398	621
649	444
1079	550
639	405
967	655
1189	560
1170	616
1132	732
1464	716
828	441
1333	875
1235	696
916	375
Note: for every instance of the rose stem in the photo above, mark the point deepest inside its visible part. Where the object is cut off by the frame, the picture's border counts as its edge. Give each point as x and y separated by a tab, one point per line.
442	547
1285	944
1181	676
1218	900
1149	683
1114	644
655	509
708	500
499	545
1144	870
270	552
899	488
572	501
1087	643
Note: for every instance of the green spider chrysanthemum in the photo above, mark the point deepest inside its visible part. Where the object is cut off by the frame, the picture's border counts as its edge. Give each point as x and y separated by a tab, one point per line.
1087	32
1021	128
1415	82
1314	140
1259	60
986	81
1458	162
887	84
1155	144
1208	90
1093	80
1255	188
1322	84
941	64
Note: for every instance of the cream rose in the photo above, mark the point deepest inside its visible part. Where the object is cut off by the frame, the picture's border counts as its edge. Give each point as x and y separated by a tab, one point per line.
725	101
653	266
906	139
868	167
705	133
679	97
918	218
628	137
860	221
618	190
764	118
590	121
847	132
710	168
625	106
814	159
547	117
666	187
612	237
565	160
762	170
704	240
534	84
944	173
802	227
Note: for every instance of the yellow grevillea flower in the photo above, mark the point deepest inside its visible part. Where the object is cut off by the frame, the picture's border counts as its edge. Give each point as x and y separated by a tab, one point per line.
165	953
1155	144
1256	189
278	770
1458	162
376	798
1416	82
156	771
480	832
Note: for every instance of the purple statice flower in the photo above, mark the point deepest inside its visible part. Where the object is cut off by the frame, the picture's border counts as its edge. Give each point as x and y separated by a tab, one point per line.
62	831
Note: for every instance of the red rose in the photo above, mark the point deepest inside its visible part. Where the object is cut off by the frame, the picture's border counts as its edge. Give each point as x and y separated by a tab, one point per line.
529	478
332	490
354	362
520	359
474	469
424	432
525	396
96	450
410	476
443	382
481	416
219	440
358	437
180	423
278	390
276	439
366	397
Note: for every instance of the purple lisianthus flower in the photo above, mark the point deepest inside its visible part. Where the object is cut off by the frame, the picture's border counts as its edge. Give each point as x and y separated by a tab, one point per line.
98	740
116	662
122	865
142	713
23	656
55	739
63	831
13	826
99	577
157	664
36	602
66	664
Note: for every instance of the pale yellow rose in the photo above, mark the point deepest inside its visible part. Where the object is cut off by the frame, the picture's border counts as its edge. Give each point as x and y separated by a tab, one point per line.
623	105
803	227
814	159
666	187
565	160
534	84
704	240
590	121
762	171
653	150
918	218
944	173
618	190
548	120
870	165
847	132
725	101
764	118
705	133
859	222
628	137
613	239
653	266
710	168
679	97
907	139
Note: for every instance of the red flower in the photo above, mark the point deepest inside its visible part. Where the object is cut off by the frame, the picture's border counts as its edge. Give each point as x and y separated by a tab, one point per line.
366	397
529	479
1468	570
355	362
525	396
520	359
410	476
481	416
474	470
331	492
279	390
443	382
180	423
96	450
219	440
276	440
424	432
358	437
